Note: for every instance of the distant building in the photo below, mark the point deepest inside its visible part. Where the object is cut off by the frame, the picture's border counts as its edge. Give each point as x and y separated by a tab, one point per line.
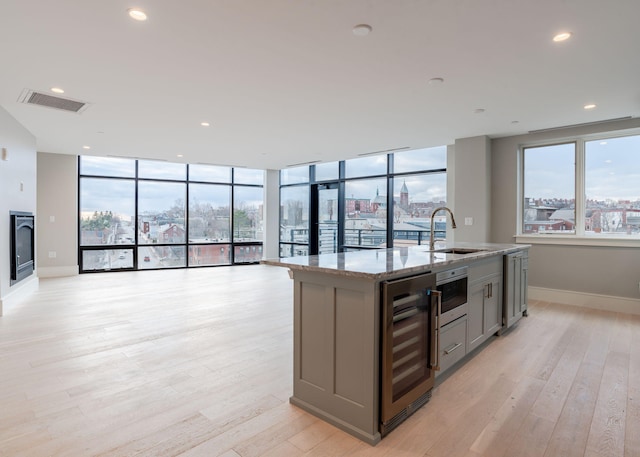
171	234
404	195
379	202
355	206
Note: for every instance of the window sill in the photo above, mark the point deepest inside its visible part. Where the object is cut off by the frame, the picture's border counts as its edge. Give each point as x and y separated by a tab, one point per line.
575	240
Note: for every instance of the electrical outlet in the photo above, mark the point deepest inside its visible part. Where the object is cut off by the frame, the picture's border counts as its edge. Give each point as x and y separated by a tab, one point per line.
52	218
52	254
468	221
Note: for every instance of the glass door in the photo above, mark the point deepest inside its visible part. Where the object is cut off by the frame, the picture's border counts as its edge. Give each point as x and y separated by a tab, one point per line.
327	218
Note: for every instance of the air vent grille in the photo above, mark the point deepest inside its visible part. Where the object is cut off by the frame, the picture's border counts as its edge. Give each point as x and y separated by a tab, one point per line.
386	151
32	97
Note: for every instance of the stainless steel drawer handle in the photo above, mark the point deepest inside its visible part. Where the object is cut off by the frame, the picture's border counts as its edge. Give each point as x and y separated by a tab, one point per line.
452	348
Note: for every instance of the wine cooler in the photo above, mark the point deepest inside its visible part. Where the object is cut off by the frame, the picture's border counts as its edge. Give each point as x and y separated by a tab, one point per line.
409	346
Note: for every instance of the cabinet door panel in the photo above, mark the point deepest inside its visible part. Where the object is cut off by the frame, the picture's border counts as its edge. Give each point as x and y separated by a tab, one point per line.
493	308
515	287
476	327
475	315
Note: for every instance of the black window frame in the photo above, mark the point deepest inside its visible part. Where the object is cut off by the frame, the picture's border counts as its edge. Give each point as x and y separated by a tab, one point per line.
231	244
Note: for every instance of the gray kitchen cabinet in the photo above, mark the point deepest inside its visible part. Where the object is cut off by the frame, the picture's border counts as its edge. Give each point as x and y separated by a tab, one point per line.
516	268
338	326
336	351
485	301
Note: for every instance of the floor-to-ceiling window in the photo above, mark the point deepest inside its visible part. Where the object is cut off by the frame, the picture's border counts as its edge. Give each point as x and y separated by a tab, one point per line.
209	215
140	214
365	203
419	187
294	211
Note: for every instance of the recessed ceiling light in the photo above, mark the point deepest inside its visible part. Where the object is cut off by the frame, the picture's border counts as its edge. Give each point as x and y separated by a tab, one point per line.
562	37
205	124
362	30
589	106
179	155
86	147
436	81
137	14
57	90
602	143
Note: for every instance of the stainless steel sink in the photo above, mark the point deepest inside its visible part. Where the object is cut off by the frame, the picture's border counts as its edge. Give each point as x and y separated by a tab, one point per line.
459	250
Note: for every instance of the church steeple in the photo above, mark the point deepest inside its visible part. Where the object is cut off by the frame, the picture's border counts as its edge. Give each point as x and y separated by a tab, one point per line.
404	195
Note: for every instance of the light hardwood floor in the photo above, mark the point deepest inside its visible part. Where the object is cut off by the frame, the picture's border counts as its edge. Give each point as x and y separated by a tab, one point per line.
199	363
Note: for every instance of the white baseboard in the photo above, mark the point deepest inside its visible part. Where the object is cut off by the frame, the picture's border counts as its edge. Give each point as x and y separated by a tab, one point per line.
18	292
57	272
595	301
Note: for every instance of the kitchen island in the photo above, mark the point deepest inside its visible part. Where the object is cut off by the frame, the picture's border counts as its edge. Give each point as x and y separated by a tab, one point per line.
338	323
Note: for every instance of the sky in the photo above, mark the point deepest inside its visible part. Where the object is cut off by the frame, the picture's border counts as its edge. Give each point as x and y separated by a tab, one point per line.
612	170
421	188
118	195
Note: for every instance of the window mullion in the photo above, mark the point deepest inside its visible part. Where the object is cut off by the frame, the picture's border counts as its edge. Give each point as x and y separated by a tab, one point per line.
580	183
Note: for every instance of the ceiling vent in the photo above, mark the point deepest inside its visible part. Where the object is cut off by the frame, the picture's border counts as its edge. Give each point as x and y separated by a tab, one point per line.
31	97
386	151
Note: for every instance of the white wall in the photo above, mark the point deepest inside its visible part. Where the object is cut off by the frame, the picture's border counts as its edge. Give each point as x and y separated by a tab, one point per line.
17	193
470	194
57	224
271	246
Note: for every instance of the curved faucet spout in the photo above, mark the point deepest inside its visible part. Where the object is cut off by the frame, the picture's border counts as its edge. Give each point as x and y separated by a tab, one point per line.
432	239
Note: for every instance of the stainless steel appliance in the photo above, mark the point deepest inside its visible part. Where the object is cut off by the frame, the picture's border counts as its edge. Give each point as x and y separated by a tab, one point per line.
452	284
409	347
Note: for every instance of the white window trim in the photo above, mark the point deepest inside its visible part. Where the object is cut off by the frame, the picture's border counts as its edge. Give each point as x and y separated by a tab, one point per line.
576	240
579	237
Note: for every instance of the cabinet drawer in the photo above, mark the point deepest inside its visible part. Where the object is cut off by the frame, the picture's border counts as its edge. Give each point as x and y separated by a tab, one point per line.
485	267
453	343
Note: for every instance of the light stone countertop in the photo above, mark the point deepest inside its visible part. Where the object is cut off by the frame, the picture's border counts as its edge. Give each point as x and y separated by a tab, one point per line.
383	263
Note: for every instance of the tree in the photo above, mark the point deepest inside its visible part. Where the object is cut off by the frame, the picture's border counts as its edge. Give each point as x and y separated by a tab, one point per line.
99	221
241	222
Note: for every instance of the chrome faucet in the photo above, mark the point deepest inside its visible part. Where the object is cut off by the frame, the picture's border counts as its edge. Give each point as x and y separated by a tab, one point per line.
432	239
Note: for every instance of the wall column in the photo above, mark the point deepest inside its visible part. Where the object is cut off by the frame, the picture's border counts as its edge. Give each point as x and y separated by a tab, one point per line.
471	196
271	247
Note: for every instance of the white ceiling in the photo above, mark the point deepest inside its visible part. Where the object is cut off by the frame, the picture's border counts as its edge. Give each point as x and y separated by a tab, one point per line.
286	81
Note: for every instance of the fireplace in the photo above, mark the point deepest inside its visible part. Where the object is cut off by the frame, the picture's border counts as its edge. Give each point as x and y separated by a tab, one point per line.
22	245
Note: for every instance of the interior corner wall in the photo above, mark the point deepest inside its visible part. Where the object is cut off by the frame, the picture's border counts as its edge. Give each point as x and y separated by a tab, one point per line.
271	248
18	191
471	189
57	223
